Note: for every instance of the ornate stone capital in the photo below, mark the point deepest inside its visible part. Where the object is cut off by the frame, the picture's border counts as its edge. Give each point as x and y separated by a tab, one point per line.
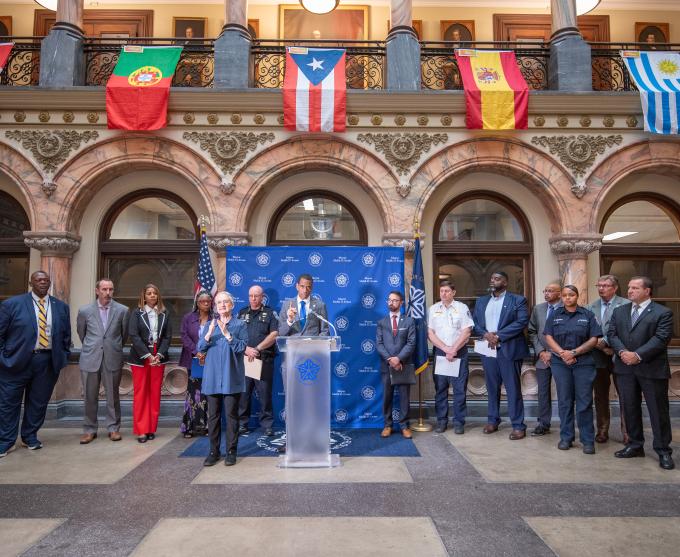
228	149
406	241
53	243
50	148
402	150
218	241
575	246
577	152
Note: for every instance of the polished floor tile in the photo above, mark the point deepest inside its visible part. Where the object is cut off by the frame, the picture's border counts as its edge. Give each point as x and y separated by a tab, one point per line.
62	460
537	460
18	534
608	536
293	537
263	470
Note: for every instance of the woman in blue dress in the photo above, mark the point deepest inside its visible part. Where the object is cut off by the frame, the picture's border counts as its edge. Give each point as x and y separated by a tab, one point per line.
223	376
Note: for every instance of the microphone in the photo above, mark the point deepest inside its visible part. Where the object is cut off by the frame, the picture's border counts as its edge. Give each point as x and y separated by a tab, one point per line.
335	332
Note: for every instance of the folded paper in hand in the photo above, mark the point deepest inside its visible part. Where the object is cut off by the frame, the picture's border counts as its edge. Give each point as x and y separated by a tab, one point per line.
254	368
482	348
443	367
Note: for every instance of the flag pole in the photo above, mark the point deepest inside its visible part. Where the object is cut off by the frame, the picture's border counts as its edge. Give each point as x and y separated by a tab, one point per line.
422	425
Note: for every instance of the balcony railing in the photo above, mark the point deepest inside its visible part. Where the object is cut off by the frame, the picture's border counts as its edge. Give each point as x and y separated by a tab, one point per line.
364	62
439	69
23	64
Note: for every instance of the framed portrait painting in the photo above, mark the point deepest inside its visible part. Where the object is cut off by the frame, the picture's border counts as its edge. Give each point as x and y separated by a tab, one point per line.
5	25
417	25
254	28
462	30
652	33
189	27
349	23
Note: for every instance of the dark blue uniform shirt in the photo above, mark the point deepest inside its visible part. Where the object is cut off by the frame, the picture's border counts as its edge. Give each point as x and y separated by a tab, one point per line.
571	329
260	322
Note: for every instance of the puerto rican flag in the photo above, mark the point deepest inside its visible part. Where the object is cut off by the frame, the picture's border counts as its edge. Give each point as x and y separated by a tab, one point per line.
5	49
314	90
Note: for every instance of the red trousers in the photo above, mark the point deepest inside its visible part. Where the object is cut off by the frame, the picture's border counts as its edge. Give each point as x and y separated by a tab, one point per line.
146	403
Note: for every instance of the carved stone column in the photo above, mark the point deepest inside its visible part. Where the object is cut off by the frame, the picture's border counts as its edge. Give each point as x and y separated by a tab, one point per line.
406	241
402	49
62	60
57	249
572	253
233	63
569	67
218	241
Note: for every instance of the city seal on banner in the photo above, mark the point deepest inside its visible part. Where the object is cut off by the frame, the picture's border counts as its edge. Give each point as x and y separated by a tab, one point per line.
308	371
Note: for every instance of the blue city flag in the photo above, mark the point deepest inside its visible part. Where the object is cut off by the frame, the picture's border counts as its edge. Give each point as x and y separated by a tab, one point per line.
416	309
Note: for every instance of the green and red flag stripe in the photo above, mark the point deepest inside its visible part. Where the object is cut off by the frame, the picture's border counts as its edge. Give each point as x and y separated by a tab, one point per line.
5	49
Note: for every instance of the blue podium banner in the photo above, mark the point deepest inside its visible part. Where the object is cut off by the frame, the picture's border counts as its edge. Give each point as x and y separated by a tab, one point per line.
354	283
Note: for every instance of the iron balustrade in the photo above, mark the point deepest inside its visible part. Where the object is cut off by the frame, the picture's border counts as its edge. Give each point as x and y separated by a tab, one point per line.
23	64
439	69
364	62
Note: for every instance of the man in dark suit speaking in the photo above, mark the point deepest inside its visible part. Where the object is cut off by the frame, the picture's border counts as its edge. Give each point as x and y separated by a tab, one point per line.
639	334
35	341
300	316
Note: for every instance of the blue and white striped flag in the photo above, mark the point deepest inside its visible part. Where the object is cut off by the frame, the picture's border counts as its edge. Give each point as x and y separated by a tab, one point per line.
657	76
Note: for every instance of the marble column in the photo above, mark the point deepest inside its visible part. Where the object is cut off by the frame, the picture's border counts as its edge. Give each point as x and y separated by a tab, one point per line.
219	242
56	250
569	66
572	252
233	63
402	49
62	59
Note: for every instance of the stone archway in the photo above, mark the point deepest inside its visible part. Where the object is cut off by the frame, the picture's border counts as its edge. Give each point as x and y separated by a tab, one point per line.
27	179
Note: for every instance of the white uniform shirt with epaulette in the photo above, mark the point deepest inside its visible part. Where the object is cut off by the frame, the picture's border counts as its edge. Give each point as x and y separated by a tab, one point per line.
447	322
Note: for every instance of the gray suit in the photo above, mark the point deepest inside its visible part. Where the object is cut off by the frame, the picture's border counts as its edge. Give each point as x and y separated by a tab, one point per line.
543	373
313	325
101	360
605	368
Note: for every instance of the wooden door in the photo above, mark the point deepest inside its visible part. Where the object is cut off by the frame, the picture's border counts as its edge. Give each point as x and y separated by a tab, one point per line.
538	27
102	23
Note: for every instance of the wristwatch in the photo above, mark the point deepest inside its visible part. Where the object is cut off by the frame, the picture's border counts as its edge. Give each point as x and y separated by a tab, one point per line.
573	353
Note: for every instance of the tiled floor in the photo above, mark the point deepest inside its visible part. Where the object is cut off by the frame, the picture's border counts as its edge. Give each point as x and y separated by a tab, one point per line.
465	495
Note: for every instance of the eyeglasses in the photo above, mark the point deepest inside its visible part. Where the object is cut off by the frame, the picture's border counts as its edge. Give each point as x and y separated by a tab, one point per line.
393	300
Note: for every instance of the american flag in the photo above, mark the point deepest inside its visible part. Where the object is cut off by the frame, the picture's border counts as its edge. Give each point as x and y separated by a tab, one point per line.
314	90
5	49
205	278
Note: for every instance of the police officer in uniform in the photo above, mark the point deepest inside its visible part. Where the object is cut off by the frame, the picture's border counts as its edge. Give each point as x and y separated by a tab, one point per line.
262	324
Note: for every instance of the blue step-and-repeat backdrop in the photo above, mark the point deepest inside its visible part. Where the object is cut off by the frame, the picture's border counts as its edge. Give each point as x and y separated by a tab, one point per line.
354	283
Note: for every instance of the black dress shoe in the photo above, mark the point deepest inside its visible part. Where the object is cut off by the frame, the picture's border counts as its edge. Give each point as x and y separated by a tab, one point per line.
242	430
564	445
459	429
150	436
141	439
666	462
440	428
212	459
230	459
588	449
630	452
540	430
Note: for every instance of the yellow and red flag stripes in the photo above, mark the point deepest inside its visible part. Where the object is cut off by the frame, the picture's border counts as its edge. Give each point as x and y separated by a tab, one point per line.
496	95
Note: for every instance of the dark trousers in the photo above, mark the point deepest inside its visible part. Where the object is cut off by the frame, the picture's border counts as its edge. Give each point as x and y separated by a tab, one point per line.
575	386
441	397
544	395
215	403
264	395
388	399
631	387
499	371
34	384
603	379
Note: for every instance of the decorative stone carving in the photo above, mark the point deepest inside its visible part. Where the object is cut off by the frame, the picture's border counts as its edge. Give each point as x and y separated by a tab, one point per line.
44	117
539	121
189	118
575	245
562	121
400	119
577	153
446	120
259	119
19	116
632	121
406	241
281	120
585	121
48	188
213	118
53	243
608	121
376	119
422	120
353	120
50	148
579	188
403	189
402	150
228	149
93	117
236	119
220	241
68	117
227	187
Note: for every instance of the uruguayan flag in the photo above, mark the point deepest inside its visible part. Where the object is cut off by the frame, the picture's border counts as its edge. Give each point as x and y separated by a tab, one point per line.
657	76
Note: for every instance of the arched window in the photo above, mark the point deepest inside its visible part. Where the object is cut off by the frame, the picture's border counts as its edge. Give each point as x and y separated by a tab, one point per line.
317	217
151	236
14	254
477	235
642	237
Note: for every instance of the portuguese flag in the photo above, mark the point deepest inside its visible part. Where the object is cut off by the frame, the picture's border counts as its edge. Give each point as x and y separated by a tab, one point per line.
496	95
5	49
137	91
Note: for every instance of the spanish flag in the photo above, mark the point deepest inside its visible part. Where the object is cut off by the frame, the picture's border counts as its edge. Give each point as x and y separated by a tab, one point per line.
496	95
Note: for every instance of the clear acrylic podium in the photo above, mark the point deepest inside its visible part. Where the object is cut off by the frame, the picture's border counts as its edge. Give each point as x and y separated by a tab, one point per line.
307	381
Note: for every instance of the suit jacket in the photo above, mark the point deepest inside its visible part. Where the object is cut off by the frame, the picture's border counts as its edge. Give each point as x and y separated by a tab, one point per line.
99	344
401	346
514	317
19	332
601	359
649	338
313	325
536	335
189	333
139	329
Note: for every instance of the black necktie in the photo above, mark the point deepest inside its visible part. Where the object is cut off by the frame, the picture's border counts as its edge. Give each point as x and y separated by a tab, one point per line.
550	311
